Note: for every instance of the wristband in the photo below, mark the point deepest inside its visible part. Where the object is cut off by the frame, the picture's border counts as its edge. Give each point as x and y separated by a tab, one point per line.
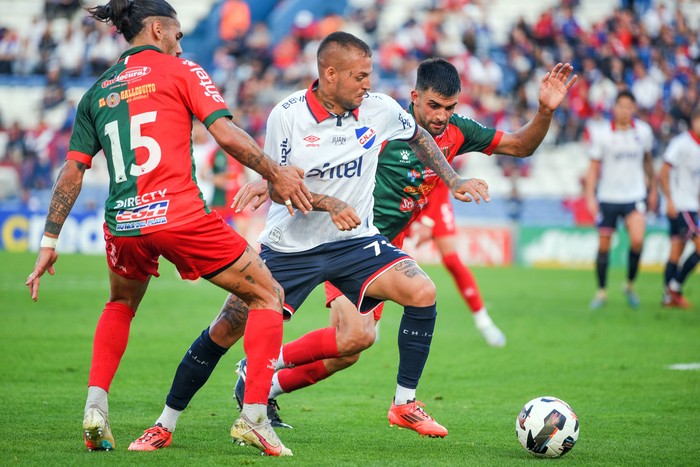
48	242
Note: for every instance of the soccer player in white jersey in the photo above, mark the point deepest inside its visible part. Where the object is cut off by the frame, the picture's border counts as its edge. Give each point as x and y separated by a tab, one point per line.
680	183
621	170
335	130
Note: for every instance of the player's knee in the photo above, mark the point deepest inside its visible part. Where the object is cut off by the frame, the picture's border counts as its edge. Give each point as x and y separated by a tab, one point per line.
225	331
355	340
269	298
422	294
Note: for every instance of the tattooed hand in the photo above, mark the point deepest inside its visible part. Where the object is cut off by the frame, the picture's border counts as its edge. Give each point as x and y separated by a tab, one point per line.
342	214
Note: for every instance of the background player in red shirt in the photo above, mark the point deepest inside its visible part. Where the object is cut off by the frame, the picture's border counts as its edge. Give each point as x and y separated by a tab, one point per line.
139	113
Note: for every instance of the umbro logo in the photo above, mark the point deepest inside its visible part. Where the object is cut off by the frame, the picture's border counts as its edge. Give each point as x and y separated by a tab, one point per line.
312	141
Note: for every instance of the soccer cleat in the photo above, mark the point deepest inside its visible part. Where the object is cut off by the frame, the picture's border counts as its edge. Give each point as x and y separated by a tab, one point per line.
413	417
239	388
598	302
632	297
272	406
259	435
96	431
274	416
153	438
493	336
677	300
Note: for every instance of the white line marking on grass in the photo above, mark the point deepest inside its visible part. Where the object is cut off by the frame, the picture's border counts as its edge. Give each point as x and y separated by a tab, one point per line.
684	366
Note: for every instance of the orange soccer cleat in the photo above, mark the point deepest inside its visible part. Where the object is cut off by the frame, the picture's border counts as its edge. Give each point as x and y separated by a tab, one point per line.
413	417
153	438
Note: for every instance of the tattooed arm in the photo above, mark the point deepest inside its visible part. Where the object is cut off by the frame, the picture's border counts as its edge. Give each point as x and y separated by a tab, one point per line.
287	180
428	152
65	192
342	214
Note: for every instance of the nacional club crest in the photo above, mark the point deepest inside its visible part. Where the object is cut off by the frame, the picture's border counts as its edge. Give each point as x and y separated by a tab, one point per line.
366	136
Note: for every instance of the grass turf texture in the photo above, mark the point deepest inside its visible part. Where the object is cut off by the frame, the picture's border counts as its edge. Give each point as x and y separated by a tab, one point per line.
609	365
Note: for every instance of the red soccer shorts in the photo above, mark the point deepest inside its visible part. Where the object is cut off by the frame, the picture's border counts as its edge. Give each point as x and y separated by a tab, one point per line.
202	248
439	209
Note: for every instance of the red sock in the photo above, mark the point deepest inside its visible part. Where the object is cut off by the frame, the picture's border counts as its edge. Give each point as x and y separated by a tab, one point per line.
466	283
291	379
262	341
111	337
312	346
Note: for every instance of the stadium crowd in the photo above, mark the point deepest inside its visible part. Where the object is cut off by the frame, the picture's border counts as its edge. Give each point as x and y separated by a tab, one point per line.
649	47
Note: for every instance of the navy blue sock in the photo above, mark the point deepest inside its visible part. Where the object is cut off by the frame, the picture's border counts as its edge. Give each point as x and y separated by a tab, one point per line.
194	370
670	272
415	335
601	268
633	265
687	267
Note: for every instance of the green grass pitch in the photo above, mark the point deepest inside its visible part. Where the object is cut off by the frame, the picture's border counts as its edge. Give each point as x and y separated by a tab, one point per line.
611	366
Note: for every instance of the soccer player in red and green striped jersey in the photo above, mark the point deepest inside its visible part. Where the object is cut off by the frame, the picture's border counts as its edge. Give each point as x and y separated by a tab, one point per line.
139	114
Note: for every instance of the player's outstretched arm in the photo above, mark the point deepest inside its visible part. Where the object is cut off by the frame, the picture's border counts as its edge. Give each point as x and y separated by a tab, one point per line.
428	152
553	89
288	181
65	192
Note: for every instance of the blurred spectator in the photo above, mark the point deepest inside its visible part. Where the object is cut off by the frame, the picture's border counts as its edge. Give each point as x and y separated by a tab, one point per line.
54	91
10	46
46	47
70	52
104	48
61	8
234	24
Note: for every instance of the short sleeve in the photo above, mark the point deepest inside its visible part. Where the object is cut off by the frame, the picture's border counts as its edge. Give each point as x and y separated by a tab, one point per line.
399	124
595	150
477	137
84	142
672	154
200	94
278	138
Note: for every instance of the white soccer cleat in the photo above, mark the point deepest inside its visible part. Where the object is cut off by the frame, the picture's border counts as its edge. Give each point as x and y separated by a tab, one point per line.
96	431
260	435
493	336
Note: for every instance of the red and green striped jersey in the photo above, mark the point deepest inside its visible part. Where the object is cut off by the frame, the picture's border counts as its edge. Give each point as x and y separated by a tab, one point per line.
404	182
140	114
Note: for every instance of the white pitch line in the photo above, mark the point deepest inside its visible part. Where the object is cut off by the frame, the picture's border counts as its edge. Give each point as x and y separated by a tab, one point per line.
684	366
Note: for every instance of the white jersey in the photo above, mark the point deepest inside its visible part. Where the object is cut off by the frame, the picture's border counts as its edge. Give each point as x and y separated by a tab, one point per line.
683	154
338	154
621	153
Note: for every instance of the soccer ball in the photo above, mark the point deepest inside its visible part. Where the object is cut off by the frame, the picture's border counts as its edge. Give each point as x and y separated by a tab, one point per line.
547	427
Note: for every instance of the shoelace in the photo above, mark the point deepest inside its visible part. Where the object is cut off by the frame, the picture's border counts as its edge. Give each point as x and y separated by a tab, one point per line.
150	433
419	408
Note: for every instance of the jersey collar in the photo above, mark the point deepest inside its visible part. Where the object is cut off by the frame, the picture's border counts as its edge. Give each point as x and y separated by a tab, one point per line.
615	128
135	50
694	136
318	110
